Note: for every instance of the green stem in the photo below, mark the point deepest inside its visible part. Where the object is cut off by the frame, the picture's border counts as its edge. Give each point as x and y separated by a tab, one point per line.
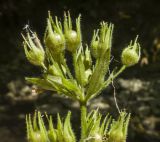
83	108
111	78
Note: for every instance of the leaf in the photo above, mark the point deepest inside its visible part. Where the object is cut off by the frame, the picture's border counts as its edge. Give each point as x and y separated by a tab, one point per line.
52	132
68	132
43	131
42	83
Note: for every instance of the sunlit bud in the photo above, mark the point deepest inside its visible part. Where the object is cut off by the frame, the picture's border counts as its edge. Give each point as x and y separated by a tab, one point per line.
119	128
131	54
54	39
73	37
36	131
102	40
33	49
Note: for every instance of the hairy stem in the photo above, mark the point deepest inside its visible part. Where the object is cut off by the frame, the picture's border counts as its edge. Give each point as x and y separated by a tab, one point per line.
83	108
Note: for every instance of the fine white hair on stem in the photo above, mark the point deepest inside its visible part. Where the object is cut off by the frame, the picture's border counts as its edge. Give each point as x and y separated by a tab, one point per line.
115	98
114	93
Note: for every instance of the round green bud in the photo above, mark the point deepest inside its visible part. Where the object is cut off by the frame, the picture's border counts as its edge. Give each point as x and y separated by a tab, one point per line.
55	43
94	49
130	57
116	136
72	41
118	130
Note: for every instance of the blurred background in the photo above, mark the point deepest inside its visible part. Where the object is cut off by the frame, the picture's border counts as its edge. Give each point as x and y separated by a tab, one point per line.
137	89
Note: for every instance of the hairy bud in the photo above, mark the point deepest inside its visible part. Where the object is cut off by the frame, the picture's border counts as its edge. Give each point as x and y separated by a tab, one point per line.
33	50
54	41
118	131
73	37
131	55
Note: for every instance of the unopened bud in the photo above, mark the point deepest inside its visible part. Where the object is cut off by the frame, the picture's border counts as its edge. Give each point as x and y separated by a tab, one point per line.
73	37
102	40
72	41
131	54
33	50
54	40
118	131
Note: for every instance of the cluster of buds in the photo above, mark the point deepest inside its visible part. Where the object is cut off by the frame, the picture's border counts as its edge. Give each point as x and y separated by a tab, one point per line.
107	129
97	129
84	83
37	132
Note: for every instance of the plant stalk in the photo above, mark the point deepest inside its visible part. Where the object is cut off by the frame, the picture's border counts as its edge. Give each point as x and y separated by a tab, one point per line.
83	108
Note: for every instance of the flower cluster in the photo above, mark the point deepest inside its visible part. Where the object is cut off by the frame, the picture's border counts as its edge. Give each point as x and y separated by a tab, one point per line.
86	81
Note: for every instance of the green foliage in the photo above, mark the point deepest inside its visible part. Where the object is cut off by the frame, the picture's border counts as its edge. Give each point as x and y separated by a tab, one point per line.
88	80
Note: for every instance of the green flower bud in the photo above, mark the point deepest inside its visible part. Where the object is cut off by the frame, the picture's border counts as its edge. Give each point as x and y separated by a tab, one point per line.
72	41
118	130
33	50
36	131
131	55
54	40
101	41
73	37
